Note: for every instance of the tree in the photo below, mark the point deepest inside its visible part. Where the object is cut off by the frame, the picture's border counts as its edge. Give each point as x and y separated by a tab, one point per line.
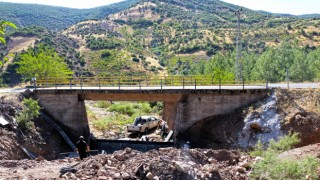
3	25
314	60
301	70
42	62
264	68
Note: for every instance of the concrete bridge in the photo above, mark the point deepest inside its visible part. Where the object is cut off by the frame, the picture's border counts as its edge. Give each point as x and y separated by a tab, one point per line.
182	107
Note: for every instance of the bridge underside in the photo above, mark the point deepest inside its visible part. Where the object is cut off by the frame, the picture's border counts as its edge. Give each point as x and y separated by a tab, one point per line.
182	108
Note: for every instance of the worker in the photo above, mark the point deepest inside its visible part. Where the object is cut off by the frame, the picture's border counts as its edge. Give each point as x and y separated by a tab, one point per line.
82	148
164	128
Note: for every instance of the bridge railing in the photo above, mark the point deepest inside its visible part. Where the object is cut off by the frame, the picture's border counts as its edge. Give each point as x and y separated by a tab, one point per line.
189	82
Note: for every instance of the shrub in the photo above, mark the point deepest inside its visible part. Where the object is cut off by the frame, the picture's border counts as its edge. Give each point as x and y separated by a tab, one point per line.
102	104
134	59
273	167
122	108
31	111
285	143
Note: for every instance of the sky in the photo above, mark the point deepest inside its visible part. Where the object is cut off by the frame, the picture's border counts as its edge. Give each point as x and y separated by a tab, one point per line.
296	7
79	4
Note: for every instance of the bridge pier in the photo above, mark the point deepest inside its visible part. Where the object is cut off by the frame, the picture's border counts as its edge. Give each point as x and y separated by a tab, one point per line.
68	111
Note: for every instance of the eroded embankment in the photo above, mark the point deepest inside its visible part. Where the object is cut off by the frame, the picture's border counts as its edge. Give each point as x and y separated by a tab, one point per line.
282	112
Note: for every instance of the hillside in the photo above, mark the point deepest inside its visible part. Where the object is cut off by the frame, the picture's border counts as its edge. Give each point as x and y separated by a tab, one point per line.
55	18
192	37
172	31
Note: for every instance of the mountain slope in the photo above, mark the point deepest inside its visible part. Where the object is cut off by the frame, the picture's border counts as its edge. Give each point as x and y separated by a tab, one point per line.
55	18
185	38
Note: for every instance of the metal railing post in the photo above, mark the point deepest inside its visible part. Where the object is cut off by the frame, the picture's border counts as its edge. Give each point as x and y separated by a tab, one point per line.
140	84
99	83
243	83
195	83
56	83
183	82
267	83
35	83
70	83
81	83
219	84
161	84
119	83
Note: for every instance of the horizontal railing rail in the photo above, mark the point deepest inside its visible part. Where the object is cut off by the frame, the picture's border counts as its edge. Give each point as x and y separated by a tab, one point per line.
190	82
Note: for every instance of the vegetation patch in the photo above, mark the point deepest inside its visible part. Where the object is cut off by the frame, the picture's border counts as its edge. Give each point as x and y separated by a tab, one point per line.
274	167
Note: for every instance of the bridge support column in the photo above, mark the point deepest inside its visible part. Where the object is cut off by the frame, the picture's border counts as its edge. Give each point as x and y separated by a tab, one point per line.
68	111
169	113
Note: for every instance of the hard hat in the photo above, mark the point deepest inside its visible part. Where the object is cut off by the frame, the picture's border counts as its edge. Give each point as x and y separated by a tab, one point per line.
81	137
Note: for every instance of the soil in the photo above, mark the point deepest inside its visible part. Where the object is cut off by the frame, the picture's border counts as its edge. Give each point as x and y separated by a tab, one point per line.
167	163
42	140
301	111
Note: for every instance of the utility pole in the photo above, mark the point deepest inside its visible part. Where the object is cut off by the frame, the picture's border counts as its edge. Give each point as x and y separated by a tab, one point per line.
238	48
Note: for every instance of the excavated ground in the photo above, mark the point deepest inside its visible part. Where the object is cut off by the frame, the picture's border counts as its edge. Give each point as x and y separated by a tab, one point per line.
299	110
167	163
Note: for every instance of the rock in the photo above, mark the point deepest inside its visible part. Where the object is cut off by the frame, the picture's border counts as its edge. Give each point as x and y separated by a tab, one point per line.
117	176
165	150
128	150
109	167
255	126
102	178
102	172
125	176
149	176
172	167
181	166
210	168
240	169
213	161
40	158
156	178
120	157
244	164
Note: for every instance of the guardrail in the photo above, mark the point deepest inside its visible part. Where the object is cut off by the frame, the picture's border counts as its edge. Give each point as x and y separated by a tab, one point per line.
189	82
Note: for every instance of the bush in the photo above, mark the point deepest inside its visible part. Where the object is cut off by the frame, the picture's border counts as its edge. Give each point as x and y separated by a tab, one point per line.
102	104
122	108
273	167
103	124
31	111
108	123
